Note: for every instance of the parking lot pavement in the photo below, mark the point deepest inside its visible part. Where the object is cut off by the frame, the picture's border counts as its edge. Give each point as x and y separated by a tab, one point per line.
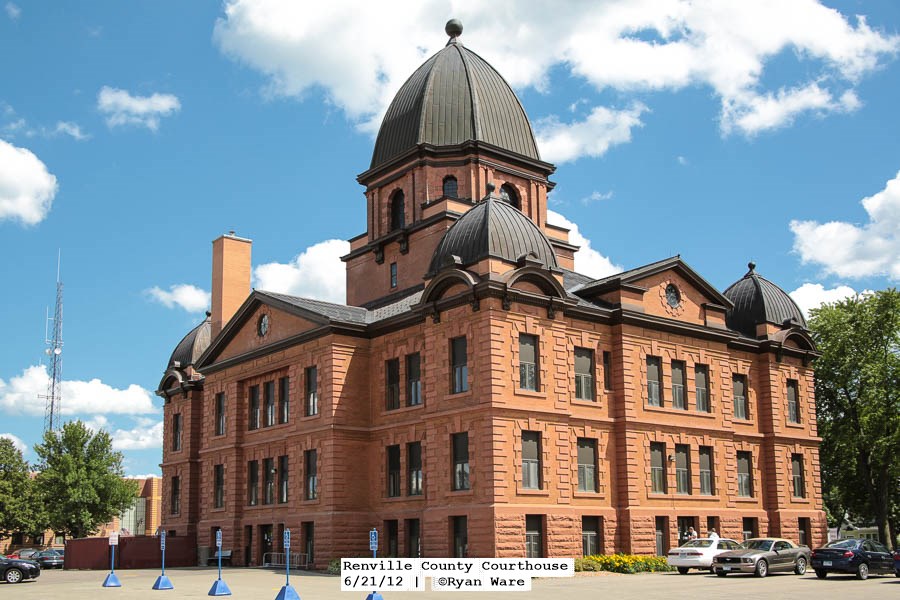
262	584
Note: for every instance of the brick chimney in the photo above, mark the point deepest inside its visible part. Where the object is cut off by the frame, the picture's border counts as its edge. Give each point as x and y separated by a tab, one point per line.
230	278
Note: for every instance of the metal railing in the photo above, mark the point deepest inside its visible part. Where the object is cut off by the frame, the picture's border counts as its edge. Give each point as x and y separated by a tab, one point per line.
299	560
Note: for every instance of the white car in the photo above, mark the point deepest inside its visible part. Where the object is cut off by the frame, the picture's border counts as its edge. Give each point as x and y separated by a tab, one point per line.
699	553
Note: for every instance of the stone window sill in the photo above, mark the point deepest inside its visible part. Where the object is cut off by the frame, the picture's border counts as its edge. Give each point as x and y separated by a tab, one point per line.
679	411
401	409
531	492
529	393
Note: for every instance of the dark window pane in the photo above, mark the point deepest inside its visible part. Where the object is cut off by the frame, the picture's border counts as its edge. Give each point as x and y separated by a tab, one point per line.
413	380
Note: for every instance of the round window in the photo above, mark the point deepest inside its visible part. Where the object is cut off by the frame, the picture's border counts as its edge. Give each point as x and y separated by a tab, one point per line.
673	296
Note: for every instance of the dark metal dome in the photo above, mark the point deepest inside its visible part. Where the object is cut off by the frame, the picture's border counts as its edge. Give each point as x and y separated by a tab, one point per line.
492	229
758	300
454	97
192	345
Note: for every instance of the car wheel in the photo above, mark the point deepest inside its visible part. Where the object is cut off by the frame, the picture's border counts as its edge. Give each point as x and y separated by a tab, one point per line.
13	576
862	571
800	569
721	573
762	569
897	573
683	570
821	573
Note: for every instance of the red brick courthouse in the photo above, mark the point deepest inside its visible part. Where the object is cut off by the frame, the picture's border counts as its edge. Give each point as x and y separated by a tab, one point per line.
477	396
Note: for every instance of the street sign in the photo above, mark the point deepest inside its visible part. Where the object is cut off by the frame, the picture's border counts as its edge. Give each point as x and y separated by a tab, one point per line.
162	540
287	540
218	538
114	538
373	540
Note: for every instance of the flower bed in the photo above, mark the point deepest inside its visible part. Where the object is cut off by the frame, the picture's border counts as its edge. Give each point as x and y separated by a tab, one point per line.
622	563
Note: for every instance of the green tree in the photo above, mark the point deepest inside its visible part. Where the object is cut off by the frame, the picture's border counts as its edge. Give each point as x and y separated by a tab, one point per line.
81	480
858	403
20	509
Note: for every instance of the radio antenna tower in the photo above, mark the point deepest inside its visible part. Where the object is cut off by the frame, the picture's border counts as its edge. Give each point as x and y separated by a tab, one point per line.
53	339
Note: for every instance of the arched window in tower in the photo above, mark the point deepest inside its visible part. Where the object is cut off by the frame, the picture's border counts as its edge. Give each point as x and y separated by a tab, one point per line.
451	188
398	218
508	194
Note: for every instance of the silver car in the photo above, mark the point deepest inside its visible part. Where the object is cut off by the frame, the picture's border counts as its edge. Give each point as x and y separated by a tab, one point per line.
761	556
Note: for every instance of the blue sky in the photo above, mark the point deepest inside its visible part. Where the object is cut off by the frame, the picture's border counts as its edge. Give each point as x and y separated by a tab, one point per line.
133	134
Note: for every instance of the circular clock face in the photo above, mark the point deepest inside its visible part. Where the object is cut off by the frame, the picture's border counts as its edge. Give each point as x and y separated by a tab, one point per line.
262	326
673	296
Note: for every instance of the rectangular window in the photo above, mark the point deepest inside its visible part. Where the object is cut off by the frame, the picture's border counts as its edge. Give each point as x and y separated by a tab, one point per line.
220	413
392	383
413	538
750	527
176	495
393	471
607	370
413	379
253	482
284	400
739	383
701	377
587	465
268	481
460	443
460	528
392	537
654	372
269	401
393	275
312	391
534	534
284	474
584	374
308	529
678	385
682	468
658	467
793	398
253	408
803	529
414	467
707	476
745	477
312	480
797	476
590	536
531	460
219	486
176	432
528	367
459	367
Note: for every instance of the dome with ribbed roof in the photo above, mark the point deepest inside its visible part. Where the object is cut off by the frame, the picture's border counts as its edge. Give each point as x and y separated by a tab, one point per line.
492	229
192	345
453	98
758	300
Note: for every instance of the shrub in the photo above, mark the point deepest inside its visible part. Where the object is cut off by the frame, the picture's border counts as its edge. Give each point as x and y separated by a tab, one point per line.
622	563
334	566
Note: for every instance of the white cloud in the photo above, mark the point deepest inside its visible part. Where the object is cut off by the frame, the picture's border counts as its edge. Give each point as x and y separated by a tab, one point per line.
13	11
144	476
603	128
189	297
27	188
317	272
147	434
68	128
20	395
359	54
682	161
121	108
597	197
850	250
813	295
17	442
587	260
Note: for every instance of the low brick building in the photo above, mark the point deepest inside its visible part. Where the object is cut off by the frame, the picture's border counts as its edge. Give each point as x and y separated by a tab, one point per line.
477	396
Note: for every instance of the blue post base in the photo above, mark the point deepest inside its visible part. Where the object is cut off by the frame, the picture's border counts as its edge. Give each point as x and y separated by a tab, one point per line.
111	581
163	583
287	593
374	596
219	588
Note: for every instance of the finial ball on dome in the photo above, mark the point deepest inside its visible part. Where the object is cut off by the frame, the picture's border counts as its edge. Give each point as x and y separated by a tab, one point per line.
454	28
751	265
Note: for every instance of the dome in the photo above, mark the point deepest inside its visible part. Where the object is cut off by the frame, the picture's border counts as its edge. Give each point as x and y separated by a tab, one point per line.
758	300
492	229
454	97
192	345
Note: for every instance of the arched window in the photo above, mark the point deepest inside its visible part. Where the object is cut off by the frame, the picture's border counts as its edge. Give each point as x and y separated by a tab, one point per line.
398	218
508	193
451	188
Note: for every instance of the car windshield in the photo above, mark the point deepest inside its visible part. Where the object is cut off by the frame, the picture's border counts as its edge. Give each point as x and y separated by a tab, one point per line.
843	544
698	544
758	545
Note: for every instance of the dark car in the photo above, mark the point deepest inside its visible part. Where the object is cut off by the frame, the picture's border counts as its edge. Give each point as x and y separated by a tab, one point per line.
48	559
897	563
859	557
15	570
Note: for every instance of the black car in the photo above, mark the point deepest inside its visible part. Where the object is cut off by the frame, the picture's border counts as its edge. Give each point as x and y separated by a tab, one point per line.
48	559
859	557
15	570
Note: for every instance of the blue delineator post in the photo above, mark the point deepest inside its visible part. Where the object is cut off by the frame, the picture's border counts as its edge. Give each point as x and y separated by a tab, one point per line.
287	592
373	546
163	582
111	579
219	587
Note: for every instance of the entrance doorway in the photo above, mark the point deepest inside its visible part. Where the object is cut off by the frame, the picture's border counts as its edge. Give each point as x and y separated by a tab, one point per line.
266	544
248	545
684	523
662	536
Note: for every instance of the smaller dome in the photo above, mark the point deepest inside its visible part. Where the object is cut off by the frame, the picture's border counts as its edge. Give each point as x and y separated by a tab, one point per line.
192	345
758	300
492	229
